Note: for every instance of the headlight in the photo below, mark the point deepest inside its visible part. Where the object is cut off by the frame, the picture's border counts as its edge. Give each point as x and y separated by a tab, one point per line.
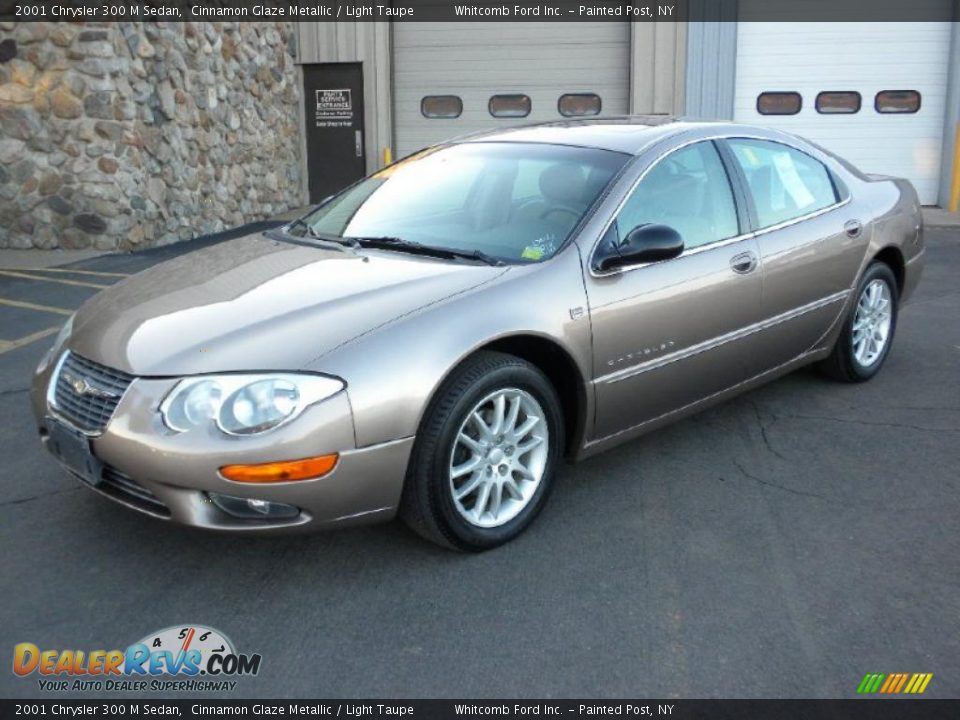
244	404
58	344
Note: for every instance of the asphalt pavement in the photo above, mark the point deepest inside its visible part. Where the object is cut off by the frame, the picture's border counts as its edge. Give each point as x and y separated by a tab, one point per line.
781	545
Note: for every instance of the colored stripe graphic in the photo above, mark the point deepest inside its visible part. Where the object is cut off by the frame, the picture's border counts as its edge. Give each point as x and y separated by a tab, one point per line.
871	683
894	683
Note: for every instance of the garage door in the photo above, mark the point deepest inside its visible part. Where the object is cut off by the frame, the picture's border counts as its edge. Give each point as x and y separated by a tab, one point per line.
885	86
456	78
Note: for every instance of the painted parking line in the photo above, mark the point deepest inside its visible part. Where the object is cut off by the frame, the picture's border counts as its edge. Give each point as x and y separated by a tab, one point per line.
8	345
35	306
25	276
68	271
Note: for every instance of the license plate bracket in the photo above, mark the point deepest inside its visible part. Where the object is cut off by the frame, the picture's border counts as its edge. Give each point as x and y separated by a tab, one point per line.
71	448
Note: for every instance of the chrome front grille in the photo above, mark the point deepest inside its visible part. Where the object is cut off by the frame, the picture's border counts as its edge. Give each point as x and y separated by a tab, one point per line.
86	393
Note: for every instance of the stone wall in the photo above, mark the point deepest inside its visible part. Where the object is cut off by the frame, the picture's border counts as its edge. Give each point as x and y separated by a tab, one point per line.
118	135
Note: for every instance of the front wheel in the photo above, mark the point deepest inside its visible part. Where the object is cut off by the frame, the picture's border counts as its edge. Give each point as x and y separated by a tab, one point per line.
868	330
484	459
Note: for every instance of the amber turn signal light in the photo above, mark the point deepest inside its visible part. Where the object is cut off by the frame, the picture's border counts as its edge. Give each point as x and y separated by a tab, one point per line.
286	471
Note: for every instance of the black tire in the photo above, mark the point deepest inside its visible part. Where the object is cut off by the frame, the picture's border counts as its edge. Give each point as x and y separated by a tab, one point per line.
842	363
427	505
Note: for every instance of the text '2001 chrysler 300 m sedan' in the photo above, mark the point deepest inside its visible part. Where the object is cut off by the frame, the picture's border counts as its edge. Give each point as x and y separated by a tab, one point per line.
433	339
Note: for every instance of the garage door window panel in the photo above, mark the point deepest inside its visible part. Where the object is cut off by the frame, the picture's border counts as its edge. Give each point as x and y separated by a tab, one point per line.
441	106
784	183
689	191
838	103
779	103
579	104
897	102
509	106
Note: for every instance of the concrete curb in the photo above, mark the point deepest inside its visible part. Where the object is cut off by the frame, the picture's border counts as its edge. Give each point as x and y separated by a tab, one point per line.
16	259
939	218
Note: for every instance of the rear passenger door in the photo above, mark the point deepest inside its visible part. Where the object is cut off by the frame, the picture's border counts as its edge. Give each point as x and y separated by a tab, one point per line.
810	243
670	333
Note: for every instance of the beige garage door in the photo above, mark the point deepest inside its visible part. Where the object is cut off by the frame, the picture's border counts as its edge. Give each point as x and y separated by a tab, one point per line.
467	64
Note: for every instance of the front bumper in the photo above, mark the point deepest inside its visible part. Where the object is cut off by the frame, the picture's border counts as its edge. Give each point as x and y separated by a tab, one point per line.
169	475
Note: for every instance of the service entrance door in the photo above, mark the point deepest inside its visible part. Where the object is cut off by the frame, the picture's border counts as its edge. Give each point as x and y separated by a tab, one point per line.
333	95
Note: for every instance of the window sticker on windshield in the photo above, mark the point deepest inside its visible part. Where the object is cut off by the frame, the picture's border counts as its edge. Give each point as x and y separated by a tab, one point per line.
792	183
547	243
532	252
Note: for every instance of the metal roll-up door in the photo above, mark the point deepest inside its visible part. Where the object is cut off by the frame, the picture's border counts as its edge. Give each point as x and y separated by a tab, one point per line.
905	63
475	61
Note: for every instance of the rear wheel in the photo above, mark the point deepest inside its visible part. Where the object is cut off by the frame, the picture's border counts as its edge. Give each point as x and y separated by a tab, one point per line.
868	330
484	459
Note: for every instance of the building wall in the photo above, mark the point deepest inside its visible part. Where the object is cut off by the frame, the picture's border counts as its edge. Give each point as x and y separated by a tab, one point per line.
658	57
118	135
658	53
367	43
711	68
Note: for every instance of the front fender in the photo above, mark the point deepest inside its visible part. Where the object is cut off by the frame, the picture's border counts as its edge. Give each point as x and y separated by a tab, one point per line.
394	372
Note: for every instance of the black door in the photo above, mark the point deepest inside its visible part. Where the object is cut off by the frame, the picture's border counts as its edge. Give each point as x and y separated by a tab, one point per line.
333	94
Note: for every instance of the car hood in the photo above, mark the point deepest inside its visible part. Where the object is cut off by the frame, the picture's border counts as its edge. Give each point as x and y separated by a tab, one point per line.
258	304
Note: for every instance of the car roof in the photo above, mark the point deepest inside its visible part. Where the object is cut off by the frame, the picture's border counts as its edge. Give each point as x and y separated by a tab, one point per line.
627	134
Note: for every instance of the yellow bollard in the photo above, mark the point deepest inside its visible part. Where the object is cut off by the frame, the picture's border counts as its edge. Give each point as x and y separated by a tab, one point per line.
388	155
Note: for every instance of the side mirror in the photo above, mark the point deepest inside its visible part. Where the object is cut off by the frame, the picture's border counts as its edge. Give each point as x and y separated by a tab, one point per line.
644	244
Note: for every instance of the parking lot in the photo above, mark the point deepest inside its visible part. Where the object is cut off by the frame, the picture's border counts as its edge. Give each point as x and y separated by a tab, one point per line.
781	545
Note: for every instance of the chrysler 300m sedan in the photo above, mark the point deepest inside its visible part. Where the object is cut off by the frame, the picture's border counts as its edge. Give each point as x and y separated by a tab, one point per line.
431	341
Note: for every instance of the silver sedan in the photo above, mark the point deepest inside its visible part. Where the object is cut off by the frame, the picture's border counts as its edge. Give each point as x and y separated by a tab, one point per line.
431	341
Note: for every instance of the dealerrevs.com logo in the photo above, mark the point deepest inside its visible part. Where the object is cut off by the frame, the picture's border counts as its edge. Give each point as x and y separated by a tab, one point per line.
186	658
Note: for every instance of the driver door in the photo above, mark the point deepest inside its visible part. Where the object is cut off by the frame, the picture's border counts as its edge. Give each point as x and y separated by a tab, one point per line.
670	333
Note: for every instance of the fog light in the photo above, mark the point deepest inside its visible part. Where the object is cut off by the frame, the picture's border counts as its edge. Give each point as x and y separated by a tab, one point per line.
248	508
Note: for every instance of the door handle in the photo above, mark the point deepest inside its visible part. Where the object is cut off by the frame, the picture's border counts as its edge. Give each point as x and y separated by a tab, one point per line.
853	228
358	142
743	263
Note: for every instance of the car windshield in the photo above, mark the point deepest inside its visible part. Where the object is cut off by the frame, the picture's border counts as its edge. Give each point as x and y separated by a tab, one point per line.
514	202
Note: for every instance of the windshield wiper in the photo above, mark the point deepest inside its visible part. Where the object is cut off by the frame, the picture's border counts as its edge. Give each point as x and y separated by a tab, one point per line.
396	243
309	234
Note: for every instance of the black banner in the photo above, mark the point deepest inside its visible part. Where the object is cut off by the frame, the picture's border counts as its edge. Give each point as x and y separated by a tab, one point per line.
888	709
481	10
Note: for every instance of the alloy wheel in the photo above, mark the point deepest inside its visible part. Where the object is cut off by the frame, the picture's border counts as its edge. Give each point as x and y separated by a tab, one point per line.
499	457
871	323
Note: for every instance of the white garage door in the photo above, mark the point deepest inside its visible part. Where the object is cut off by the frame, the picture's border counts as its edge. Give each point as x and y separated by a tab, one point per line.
865	58
477	61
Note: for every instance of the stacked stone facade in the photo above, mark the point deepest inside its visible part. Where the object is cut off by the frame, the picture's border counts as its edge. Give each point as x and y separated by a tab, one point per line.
120	135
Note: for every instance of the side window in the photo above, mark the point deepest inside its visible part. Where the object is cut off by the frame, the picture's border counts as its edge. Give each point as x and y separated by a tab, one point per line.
784	183
689	191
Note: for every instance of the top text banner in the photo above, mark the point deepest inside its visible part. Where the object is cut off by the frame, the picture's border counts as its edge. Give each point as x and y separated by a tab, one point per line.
484	11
